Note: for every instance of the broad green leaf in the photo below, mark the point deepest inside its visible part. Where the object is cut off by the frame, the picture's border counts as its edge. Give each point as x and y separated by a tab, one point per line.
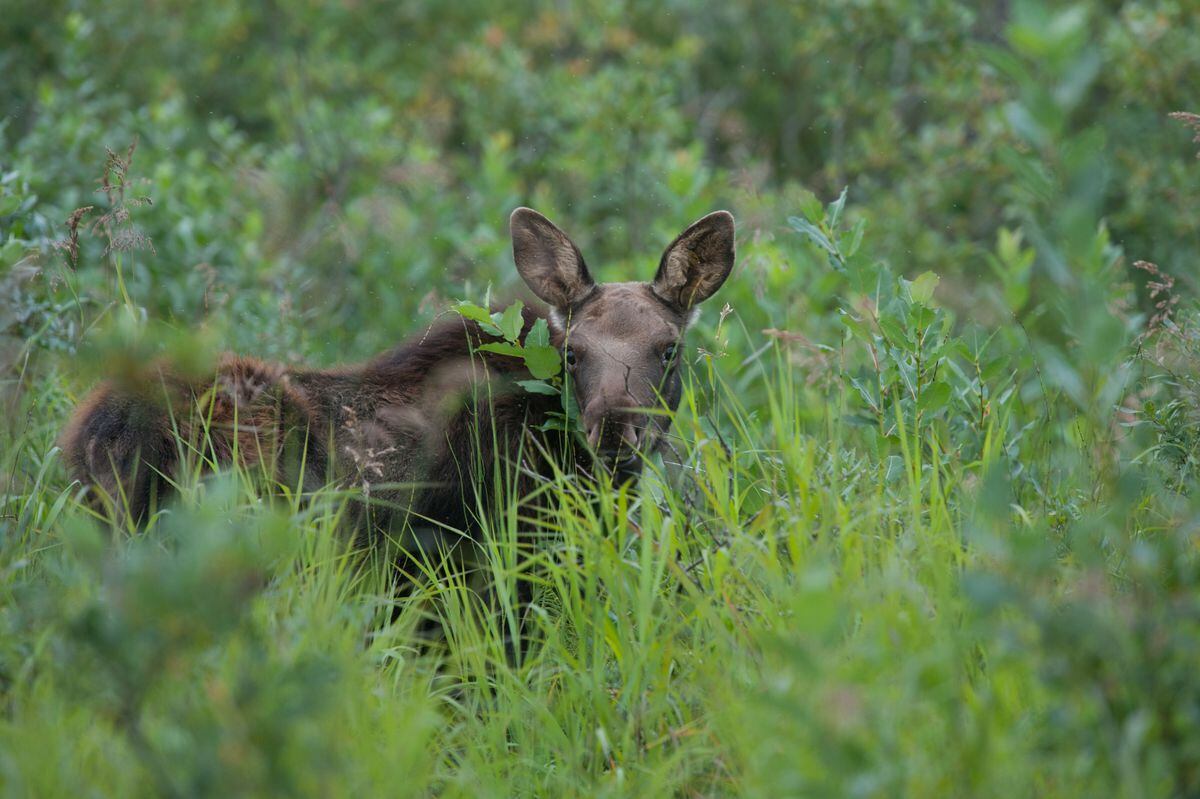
934	397
908	376
542	361
858	420
895	468
538	335
856	326
894	332
570	408
1008	244
12	251
806	228
810	206
469	310
993	368
835	209
556	421
867	393
568	420
853	240
503	348
921	317
921	289
510	321
538	387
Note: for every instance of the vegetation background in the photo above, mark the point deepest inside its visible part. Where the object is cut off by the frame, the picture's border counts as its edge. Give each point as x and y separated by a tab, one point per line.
929	528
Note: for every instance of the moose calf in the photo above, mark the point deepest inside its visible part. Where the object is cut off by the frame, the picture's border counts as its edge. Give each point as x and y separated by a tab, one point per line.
422	427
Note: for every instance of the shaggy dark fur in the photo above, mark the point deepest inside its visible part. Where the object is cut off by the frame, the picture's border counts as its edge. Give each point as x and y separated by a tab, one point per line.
413	428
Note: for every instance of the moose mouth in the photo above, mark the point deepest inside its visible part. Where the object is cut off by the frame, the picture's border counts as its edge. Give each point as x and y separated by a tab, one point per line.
623	456
623	464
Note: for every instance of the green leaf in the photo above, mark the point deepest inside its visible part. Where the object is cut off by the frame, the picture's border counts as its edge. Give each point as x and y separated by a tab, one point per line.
12	251
894	332
503	348
993	368
907	374
806	228
475	313
922	317
856	326
1008	245
538	335
469	310
921	289
853	240
810	206
568	420
895	468
538	387
867	393
510	321
570	408
934	397
543	362
835	209
858	420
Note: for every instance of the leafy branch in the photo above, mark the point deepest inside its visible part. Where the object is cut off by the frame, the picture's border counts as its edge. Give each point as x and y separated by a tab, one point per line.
541	358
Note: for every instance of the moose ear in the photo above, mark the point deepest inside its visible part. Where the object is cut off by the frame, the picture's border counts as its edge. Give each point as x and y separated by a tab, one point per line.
549	262
697	262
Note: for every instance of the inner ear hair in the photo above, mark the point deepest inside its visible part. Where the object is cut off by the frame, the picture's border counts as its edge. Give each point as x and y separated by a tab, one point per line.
695	265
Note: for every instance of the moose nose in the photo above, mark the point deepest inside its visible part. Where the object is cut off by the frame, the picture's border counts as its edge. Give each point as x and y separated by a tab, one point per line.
613	431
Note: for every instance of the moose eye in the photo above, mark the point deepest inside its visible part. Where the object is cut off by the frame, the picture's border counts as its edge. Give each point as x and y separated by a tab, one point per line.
569	356
668	356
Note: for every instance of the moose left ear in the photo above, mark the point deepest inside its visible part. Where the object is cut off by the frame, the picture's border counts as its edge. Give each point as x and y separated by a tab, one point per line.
697	262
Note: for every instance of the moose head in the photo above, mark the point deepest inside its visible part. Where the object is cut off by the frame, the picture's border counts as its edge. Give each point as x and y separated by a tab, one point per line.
621	342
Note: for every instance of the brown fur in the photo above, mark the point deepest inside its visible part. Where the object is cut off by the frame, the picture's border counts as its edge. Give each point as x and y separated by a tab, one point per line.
418	429
401	420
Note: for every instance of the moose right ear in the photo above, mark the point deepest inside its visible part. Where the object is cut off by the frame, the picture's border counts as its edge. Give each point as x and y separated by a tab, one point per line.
549	262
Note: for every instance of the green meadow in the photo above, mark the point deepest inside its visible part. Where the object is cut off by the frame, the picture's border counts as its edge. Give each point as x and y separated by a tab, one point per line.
927	522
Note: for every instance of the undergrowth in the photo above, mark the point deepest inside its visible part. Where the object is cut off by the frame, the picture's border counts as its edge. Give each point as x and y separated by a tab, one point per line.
947	568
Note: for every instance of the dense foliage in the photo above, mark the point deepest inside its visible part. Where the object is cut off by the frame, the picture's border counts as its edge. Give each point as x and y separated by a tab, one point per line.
928	528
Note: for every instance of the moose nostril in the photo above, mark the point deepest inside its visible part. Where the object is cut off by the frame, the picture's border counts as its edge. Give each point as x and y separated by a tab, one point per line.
612	432
629	435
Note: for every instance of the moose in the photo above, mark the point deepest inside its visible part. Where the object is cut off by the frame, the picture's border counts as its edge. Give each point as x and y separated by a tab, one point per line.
422	427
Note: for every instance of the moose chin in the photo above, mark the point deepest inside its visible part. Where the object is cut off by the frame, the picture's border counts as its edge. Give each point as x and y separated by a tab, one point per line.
422	428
